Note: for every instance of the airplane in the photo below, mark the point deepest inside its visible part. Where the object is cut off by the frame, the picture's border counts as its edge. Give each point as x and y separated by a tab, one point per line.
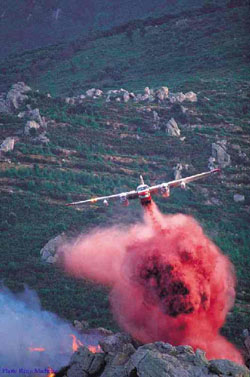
144	192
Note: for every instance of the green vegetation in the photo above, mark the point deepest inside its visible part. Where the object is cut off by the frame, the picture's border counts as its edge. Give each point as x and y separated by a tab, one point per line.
100	147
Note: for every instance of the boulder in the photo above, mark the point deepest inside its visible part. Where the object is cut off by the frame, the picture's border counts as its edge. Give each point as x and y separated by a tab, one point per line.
31	125
228	368
94	93
246	335
177	171
172	128
49	251
162	93
7	145
191	97
4	108
126	97
17	95
211	163
41	139
90	92
98	93
177	97
157	359
220	154
115	343
156	124
33	115
239	198
84	363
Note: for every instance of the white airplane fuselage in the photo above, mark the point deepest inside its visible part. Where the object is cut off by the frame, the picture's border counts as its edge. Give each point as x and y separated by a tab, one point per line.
144	194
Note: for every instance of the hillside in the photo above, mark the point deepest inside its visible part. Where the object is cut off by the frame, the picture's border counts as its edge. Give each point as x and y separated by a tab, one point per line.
36	23
209	42
86	146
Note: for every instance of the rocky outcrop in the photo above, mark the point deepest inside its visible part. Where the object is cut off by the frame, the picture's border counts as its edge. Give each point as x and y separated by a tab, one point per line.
94	93
172	128
15	97
162	93
239	198
246	336
7	145
181	97
42	139
31	127
177	171
33	115
122	95
121	358
219	152
48	252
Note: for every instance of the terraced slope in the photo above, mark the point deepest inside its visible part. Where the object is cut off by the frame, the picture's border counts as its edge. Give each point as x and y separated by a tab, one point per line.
98	147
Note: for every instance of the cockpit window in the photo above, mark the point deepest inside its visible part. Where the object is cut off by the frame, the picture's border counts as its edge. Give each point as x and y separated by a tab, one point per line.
142	188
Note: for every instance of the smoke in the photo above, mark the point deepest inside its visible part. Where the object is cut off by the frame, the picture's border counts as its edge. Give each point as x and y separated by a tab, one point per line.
32	340
168	281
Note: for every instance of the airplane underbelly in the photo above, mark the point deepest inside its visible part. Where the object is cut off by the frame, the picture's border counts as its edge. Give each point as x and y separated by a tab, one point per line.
145	199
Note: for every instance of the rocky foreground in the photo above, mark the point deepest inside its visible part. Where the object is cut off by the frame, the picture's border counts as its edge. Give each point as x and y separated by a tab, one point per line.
122	357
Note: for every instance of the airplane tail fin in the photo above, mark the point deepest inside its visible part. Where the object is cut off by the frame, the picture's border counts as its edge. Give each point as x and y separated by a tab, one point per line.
142	180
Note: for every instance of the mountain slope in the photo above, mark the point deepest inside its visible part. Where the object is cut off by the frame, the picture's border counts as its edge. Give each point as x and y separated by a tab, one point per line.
98	147
187	47
35	23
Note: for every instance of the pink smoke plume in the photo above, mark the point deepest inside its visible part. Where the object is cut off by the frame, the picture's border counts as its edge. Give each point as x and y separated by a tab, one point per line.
168	281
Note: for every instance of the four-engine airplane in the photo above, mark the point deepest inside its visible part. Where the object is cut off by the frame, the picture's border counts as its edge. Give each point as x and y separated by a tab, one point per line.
144	192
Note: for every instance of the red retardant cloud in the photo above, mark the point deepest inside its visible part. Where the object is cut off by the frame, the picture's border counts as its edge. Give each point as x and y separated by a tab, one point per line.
168	281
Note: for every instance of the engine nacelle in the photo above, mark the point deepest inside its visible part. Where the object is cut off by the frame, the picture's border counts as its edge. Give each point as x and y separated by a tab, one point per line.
124	200
105	202
183	185
164	191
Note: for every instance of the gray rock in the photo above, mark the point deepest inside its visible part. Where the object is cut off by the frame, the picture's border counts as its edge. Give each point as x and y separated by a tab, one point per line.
177	97
172	128
85	363
115	343
177	171
31	125
162	93
33	115
98	93
156	124
126	97
220	154
90	92
239	198
52	259
48	252
211	163
180	97
4	107
41	139
191	97
16	95
145	97
228	368
161	359
7	145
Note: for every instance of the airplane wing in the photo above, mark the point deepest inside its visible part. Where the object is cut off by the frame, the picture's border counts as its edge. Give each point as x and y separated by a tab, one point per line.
123	196
183	181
